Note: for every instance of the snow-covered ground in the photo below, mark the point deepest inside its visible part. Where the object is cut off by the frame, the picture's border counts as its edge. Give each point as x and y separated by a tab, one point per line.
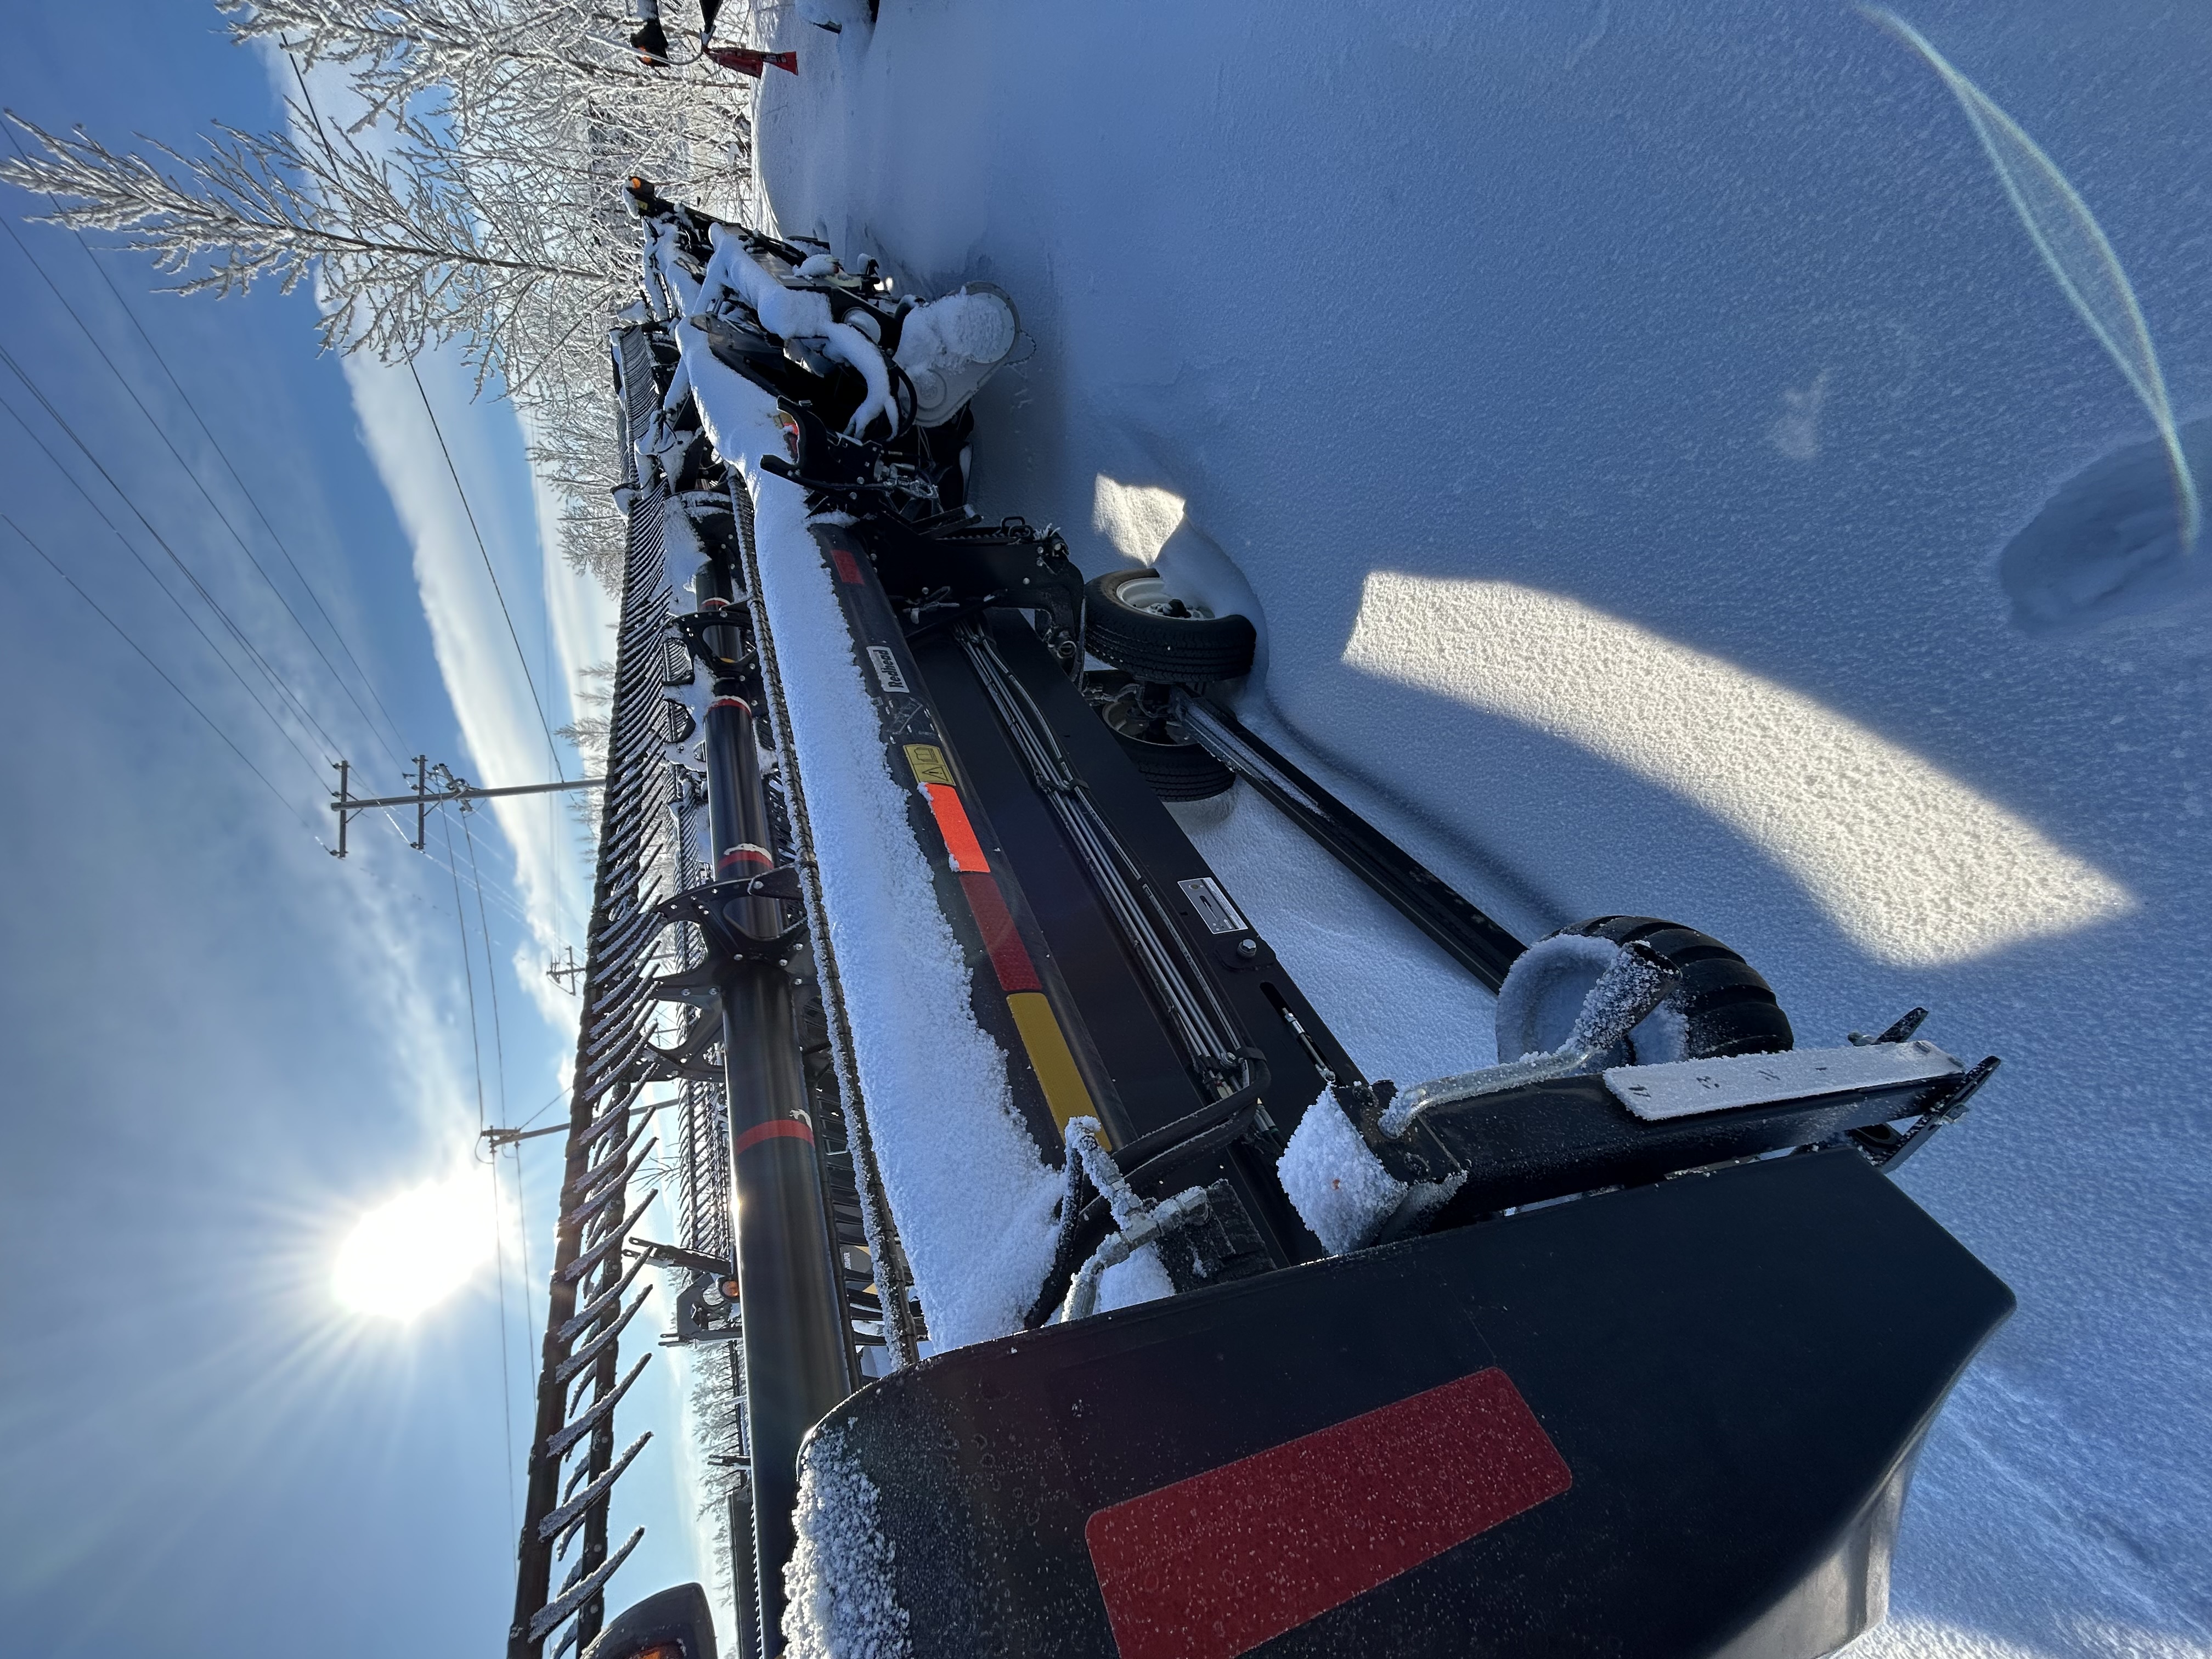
1616	416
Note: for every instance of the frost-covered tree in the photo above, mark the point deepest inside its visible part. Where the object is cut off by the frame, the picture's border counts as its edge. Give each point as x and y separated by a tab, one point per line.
491	66
409	248
591	732
471	191
715	1399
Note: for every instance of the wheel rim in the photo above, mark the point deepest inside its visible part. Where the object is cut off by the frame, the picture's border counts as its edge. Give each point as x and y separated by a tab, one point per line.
1132	721
1150	595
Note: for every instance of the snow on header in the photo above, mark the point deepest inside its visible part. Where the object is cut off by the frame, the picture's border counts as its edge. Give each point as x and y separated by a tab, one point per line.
972	1196
838	1580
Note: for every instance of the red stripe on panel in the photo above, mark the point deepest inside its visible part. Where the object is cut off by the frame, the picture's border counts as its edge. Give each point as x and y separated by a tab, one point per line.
1214	1565
1010	958
952	824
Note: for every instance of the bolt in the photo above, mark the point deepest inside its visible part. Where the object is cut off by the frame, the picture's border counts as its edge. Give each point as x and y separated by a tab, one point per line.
1248	947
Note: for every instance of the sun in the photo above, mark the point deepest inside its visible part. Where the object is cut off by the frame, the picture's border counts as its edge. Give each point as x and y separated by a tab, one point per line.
412	1252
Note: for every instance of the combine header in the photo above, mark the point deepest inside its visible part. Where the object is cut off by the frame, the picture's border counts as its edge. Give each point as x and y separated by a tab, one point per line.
1091	1299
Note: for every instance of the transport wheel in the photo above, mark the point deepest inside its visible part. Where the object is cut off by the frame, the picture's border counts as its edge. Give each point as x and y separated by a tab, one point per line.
1722	1005
1175	768
1134	621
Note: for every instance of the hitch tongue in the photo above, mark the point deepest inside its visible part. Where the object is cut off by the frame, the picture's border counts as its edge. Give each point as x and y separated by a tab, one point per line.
1636	981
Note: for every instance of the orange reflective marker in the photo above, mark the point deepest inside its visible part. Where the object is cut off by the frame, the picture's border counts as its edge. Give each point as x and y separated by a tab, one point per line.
952	824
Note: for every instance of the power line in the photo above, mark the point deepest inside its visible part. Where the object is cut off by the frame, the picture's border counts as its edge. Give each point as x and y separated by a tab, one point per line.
468	970
193	622
491	973
253	655
559	1096
499	894
552	749
521	656
215	443
123	380
260	661
275	538
124	636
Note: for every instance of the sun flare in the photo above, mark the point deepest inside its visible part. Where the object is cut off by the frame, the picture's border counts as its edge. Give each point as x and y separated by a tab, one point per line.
412	1252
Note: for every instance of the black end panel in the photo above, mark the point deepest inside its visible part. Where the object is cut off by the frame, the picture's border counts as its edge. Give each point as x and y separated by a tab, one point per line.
1733	1372
678	1617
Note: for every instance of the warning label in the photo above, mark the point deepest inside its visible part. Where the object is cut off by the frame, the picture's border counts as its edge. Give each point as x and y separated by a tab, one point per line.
928	761
1213	905
886	666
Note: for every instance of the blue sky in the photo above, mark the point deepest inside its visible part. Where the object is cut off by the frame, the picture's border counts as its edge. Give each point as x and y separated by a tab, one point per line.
225	1044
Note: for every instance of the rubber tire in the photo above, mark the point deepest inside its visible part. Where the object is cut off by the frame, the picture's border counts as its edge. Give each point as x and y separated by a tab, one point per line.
1724	1005
1176	771
1164	650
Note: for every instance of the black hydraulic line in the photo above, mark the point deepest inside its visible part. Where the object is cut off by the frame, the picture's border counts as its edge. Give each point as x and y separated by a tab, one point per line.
1198	1020
1137	1154
1471	938
1145	1161
799	1361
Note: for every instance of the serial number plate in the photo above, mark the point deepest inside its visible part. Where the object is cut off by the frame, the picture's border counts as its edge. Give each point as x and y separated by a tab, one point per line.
1213	906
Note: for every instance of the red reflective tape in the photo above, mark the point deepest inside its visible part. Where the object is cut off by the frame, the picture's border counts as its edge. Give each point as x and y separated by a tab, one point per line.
738	704
747	854
849	568
776	1128
1010	958
952	824
1212	1566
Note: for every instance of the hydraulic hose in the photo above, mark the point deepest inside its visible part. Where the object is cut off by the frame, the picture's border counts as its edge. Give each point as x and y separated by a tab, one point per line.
1144	1165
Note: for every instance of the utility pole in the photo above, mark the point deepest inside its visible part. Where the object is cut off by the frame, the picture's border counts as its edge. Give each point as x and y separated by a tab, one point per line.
449	788
566	973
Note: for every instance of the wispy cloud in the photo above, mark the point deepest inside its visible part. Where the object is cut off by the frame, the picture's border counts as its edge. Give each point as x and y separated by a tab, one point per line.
510	676
490	689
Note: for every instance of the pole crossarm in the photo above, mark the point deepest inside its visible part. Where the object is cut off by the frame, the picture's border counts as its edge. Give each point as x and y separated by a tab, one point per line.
423	797
497	1138
356	803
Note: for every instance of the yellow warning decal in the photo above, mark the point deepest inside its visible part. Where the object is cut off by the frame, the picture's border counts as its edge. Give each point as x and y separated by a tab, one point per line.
1064	1097
928	761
